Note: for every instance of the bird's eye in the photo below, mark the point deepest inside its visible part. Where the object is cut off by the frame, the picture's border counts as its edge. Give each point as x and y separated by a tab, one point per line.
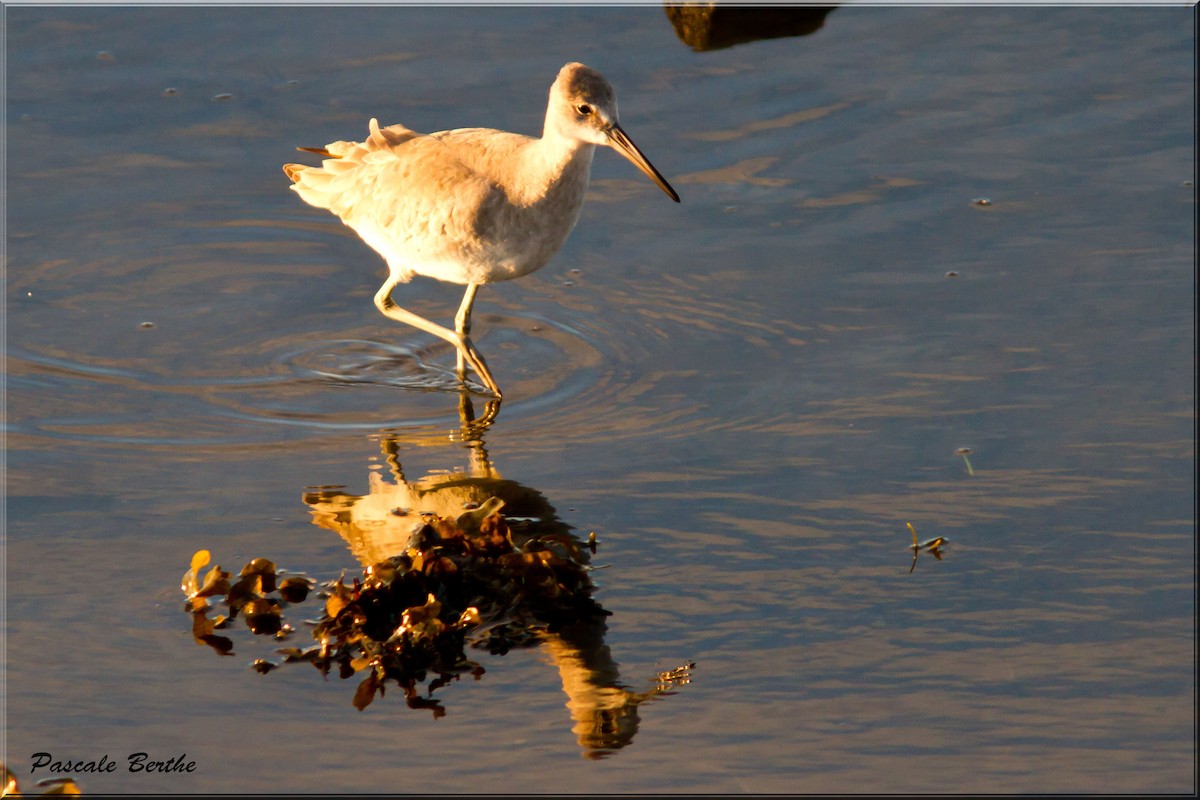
584	109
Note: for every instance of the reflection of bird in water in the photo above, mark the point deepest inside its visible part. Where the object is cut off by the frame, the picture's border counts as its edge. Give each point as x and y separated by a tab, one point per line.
604	711
472	205
379	525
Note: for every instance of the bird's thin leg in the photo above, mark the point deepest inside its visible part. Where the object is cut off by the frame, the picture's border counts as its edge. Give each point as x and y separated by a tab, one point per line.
462	320
462	326
385	303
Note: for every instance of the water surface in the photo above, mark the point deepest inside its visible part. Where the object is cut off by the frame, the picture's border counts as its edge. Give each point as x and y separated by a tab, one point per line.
912	231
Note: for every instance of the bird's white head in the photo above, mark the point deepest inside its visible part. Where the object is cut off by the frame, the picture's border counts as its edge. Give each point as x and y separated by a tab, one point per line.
583	107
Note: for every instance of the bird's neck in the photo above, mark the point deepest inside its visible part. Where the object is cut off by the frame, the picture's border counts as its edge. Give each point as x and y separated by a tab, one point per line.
558	164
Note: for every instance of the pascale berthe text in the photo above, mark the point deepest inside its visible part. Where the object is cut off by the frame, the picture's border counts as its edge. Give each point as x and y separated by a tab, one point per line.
136	762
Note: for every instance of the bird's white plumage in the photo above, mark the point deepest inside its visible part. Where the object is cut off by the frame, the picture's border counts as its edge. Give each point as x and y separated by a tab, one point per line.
472	205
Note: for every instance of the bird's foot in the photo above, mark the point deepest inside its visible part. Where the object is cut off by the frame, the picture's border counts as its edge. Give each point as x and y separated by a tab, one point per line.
468	354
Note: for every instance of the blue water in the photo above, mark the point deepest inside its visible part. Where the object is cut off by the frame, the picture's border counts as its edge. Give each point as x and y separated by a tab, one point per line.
913	231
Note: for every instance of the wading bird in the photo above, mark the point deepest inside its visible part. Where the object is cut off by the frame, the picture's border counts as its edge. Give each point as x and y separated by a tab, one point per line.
472	205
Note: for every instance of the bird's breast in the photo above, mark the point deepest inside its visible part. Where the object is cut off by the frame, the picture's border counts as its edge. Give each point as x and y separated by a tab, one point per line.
523	238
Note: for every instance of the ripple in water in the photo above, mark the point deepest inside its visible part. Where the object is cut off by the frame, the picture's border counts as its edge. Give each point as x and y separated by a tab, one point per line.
596	364
293	389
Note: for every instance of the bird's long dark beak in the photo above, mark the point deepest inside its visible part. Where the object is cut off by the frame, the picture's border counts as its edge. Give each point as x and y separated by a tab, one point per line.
624	145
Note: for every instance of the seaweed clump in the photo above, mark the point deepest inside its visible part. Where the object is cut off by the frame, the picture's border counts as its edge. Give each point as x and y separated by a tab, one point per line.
48	786
408	620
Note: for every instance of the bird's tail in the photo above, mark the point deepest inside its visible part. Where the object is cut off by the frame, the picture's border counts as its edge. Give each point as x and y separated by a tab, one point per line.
296	171
325	185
